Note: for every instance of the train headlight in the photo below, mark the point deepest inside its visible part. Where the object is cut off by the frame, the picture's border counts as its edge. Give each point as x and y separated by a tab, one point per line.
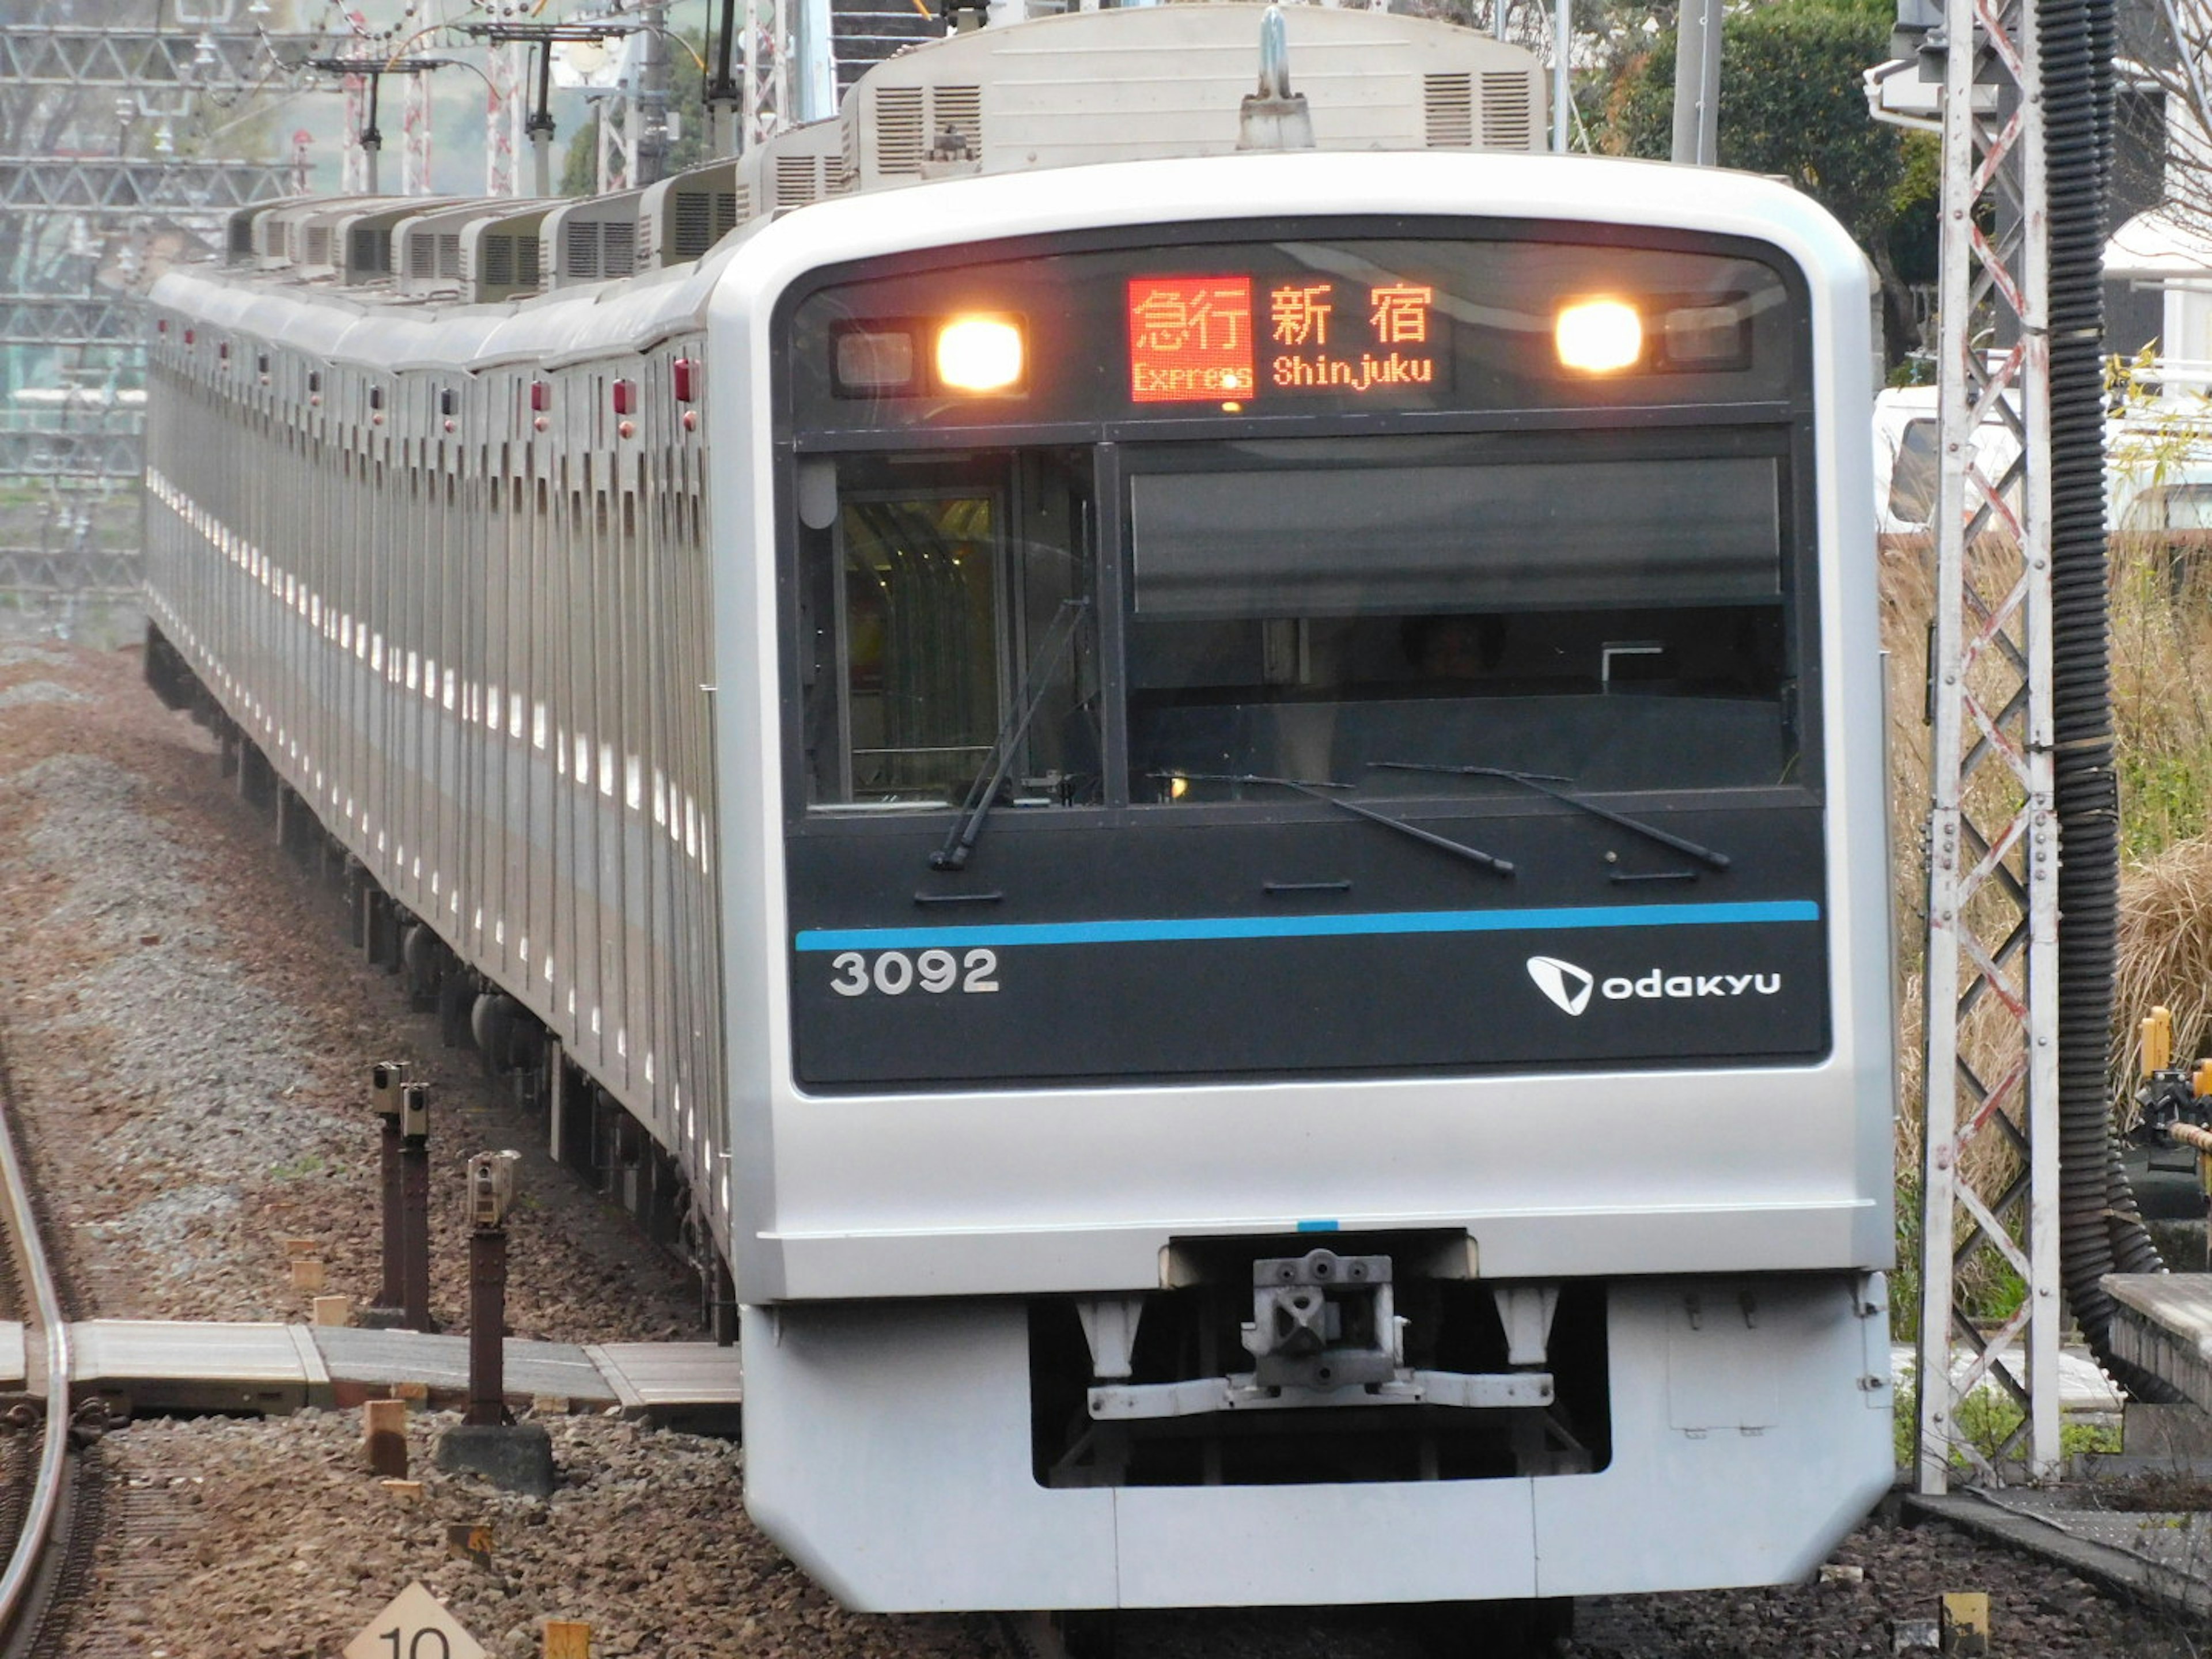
1598	337
979	354
870	359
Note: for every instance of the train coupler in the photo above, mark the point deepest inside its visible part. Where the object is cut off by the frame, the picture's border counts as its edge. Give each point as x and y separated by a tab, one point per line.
1324	1332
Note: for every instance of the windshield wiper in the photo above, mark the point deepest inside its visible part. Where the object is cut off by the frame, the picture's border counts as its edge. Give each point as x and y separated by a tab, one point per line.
1318	789
998	759
1542	783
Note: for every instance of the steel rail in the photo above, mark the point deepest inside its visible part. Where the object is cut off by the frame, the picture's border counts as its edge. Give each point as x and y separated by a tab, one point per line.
24	1562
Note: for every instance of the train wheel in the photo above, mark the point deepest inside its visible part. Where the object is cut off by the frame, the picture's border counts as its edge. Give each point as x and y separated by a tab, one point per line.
456	999
1089	1633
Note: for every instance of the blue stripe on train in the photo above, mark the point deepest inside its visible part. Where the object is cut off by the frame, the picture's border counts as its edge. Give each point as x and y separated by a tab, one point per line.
1173	929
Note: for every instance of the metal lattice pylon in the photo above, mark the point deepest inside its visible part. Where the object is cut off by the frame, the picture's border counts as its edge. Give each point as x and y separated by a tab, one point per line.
416	133
96	103
354	179
1989	1257
617	143
767	59
506	107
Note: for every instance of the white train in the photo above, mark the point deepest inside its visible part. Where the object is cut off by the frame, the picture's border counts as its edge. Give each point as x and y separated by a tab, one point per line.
1219	817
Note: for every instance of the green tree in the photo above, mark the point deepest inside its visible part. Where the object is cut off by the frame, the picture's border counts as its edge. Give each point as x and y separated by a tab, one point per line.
1791	105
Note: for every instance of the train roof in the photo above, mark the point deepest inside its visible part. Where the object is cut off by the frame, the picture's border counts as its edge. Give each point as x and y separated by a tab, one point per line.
998	112
339	324
1083	87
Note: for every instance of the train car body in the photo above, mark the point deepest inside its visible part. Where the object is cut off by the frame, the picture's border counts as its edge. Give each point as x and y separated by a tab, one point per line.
1227	811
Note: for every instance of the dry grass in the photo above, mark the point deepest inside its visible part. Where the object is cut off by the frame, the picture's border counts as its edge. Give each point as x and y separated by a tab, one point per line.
2166	948
2162	709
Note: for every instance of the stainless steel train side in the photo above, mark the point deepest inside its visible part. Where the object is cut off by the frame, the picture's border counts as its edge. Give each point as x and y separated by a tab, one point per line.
458	603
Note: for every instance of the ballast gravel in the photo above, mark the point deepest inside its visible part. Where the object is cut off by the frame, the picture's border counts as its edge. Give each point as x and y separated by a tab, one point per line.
189	1036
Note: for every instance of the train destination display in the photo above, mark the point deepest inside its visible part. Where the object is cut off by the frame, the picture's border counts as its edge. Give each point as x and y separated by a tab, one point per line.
1226	340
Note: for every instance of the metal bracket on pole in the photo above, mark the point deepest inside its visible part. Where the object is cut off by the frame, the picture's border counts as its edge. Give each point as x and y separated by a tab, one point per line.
1990	1169
538	124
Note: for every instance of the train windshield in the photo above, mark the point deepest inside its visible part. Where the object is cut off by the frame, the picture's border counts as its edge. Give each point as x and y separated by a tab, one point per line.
1365	614
1360	612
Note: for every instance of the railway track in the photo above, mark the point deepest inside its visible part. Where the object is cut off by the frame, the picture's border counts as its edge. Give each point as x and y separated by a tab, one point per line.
43	1513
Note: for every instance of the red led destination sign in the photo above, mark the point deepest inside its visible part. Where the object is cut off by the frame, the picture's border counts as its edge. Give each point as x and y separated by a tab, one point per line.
1190	339
1199	339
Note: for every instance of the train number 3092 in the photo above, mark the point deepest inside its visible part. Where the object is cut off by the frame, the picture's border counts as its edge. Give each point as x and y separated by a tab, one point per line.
895	972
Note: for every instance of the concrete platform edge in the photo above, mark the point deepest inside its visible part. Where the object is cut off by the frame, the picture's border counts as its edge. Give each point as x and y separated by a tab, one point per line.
631	1401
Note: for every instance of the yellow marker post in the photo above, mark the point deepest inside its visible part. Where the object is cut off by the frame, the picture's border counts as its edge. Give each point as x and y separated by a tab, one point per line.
568	1638
1965	1623
2157	1032
469	1542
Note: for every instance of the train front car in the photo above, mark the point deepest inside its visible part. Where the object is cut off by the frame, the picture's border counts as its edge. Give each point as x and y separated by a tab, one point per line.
1313	1026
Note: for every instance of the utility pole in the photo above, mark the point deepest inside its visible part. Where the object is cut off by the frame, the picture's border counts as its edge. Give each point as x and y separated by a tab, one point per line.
1563	39
722	98
649	98
505	110
1697	84
766	89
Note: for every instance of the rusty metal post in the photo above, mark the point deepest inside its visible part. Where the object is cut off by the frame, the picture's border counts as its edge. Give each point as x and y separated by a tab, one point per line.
415	1205
384	1435
487	1322
389	1291
491	1195
389	1078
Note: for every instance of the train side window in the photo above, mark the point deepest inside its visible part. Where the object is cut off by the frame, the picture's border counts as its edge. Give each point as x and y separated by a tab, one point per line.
929	591
1912	477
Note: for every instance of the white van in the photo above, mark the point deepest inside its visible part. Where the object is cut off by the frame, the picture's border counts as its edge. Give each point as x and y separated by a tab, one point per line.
1906	462
2158	460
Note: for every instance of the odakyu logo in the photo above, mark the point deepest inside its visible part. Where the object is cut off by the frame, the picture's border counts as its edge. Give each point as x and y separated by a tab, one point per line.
1568	985
1569	988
